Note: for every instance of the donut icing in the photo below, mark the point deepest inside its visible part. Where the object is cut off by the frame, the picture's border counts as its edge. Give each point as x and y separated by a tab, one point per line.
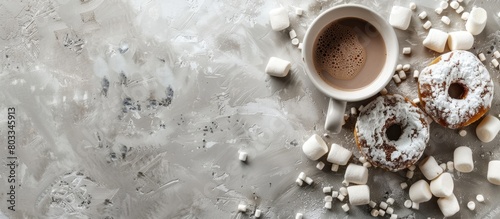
460	67
371	127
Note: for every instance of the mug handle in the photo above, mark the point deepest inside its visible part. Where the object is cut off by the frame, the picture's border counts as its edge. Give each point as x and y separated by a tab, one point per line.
335	115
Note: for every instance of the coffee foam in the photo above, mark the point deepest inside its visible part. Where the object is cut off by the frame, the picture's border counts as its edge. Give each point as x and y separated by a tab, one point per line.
339	52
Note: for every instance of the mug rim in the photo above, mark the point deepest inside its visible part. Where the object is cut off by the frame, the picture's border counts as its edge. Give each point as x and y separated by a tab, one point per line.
385	75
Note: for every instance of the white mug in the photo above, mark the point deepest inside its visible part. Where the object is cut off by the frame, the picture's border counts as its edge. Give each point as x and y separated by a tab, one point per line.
339	97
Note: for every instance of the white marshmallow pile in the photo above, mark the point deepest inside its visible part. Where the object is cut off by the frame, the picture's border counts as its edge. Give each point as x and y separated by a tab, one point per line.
278	18
462	159
487	130
400	17
315	147
278	67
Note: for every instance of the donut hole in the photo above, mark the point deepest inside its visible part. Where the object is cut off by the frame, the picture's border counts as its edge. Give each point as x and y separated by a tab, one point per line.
393	132
457	91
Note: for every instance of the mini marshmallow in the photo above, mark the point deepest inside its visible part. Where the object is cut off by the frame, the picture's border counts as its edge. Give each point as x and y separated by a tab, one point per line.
343	191
328	198
328	205
443	4
335	194
446	20
409	174
309	181
383	91
442	186
400	17
495	63
460	10
496	54
450	166
462	133
403	185
356	174
340	197
480	198
299	11
345	183
278	18
372	204
396	79
300	46
430	168
374	213
295	41
354	111
315	147
359	194
242	208
335	167
420	191
367	164
406	67
338	155
416	100
278	67
407	203
399	67
449	205
299	216
427	25
438	10
422	15
302	176
299	182
393	216
292	34
360	108
462	159
493	174
362	159
471	205
476	21
436	40
327	189
481	57
243	156
383	205
345	207
465	16
320	165
389	210
460	40
413	6
443	166
415	205
402	75
381	212
415	74
407	50
454	4
257	214
390	201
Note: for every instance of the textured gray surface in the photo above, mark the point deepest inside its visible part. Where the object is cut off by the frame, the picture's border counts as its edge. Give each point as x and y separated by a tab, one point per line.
137	109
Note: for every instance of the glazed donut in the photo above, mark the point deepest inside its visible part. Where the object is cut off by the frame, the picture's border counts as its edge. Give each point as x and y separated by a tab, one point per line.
455	90
386	114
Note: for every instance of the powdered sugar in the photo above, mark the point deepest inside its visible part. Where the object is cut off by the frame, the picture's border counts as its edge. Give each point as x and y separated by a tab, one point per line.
372	125
460	67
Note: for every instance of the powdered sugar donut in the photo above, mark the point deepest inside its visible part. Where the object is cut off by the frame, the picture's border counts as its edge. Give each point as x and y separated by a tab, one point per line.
455	89
392	132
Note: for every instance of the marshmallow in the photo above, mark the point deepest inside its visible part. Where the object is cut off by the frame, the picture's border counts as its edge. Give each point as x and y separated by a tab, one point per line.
396	79
407	203
454	4
400	17
406	67
443	166
359	194
362	159
496	54
399	67
465	16
242	208
413	6
415	74
443	4
328	198
390	201
338	155
299	182
462	159
302	176
327	189
257	214
480	198
446	20
343	191
354	111
460	40
367	164
383	91
476	21
462	133
381	212
427	25
320	165
375	213
422	15
495	63
407	50
314	147
493	175
450	166
449	205
299	216
420	191
430	168
409	174
335	167
328	205
442	186
404	185
335	194
308	180
389	210
299	11
402	75
383	205
415	205
295	41
438	10
481	57
416	100
393	216
345	183
243	156
340	197
345	207
460	10
471	205
300	46
372	204
436	40
488	128
292	34
356	174
278	18
278	67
